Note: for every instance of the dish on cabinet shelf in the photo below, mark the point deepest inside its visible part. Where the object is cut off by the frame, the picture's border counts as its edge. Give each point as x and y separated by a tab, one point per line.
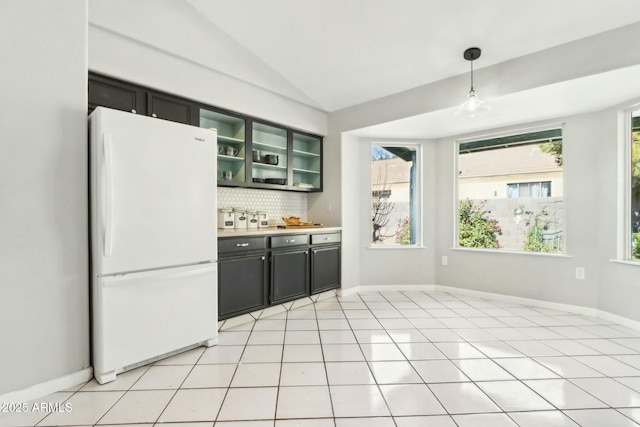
279	181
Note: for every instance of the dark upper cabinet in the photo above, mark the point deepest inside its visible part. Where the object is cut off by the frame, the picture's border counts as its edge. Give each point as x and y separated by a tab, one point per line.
172	108
111	93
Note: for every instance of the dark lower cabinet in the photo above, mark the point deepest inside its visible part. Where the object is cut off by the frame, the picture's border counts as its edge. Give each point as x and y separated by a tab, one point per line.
241	285
289	275
325	269
257	271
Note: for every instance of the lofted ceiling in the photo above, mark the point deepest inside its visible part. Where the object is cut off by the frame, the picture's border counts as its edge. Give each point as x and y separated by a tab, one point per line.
334	54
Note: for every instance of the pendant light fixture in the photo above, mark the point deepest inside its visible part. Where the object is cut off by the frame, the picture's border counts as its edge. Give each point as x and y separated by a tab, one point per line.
473	106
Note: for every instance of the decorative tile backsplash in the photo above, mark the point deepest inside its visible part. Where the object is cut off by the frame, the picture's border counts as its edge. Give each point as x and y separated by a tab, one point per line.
275	203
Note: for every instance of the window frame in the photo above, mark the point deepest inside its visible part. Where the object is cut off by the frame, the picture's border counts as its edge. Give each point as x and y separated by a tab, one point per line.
495	136
625	229
418	191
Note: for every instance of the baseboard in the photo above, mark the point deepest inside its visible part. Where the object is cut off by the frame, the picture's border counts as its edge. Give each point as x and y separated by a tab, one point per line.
624	321
52	386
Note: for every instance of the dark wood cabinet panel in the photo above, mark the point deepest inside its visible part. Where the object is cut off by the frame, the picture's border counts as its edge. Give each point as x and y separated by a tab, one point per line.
171	108
325	269
289	275
114	94
241	285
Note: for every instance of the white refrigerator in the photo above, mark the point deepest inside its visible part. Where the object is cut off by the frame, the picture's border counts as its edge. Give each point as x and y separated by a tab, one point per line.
153	239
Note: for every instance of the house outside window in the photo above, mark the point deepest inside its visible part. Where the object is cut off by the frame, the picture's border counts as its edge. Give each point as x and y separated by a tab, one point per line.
395	204
510	192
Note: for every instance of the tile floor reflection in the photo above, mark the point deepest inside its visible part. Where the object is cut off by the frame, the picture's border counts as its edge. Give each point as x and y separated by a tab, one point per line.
380	359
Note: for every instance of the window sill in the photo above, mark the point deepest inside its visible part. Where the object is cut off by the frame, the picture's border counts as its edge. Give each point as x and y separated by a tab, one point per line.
626	262
510	252
404	248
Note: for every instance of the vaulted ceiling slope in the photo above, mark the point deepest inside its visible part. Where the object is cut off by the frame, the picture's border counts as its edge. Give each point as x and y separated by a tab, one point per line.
334	54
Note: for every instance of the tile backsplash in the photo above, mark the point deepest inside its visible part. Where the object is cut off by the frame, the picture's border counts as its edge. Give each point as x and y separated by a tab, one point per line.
276	203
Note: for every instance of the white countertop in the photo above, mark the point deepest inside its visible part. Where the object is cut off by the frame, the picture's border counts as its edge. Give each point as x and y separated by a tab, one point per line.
237	232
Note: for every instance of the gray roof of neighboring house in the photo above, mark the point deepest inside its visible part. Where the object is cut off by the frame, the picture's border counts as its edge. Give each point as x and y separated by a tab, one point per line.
506	161
391	171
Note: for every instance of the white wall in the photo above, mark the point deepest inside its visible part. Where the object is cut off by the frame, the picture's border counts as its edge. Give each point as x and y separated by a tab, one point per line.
44	288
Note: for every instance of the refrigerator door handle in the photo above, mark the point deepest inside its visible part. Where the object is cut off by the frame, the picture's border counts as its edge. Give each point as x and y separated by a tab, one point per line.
108	205
127	278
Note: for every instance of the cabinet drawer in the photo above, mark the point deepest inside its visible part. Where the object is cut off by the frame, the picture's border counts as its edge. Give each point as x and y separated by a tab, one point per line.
317	239
241	244
289	240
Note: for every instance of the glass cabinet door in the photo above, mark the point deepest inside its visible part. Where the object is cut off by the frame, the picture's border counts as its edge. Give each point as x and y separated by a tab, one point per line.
307	165
231	145
269	155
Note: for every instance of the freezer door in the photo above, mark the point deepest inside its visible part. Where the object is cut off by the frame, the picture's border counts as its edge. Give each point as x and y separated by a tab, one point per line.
153	192
141	316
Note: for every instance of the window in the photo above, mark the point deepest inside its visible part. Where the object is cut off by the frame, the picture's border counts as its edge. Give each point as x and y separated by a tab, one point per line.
510	192
395	206
529	189
634	196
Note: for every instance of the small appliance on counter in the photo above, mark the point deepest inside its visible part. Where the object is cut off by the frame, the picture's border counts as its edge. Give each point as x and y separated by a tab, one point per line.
226	219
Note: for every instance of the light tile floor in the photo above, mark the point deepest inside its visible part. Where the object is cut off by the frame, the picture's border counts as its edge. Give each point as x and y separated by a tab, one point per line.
379	359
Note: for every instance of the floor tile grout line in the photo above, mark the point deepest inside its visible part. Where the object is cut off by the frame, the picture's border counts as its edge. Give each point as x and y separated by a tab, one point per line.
365	358
224	398
324	364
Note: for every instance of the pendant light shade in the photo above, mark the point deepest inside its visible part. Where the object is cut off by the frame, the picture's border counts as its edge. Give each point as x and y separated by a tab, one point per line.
473	106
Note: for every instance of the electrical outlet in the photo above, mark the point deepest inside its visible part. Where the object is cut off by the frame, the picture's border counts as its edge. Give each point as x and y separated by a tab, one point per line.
580	273
444	260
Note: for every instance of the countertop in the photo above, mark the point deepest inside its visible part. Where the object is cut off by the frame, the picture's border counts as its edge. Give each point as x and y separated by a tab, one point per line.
273	230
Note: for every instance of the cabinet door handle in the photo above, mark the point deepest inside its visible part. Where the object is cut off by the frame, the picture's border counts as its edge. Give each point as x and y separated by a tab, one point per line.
153	115
242	245
306	252
315	252
290	241
134	111
327	238
262	258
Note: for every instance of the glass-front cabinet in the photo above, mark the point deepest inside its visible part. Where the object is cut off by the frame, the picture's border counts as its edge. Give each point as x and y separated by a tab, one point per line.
231	145
307	164
269	155
255	154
